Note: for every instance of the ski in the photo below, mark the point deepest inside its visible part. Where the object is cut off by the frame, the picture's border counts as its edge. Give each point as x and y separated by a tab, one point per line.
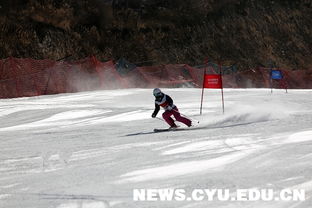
162	130
168	129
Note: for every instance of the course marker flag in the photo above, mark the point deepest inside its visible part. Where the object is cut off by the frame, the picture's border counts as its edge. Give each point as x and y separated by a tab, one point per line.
277	75
212	81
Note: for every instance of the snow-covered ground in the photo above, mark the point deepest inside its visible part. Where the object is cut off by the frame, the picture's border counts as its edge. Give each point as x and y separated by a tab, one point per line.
91	149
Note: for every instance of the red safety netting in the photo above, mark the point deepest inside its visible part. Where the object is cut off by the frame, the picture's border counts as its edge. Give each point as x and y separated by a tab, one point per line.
166	76
20	77
29	77
108	76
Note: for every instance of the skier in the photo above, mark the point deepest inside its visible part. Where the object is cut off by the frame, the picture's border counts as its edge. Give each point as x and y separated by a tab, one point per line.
165	101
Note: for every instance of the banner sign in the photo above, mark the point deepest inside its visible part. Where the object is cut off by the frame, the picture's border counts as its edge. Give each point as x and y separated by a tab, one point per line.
276	74
213	81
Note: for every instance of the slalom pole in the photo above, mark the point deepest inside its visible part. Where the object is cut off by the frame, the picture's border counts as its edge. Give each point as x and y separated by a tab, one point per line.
221	87
201	102
202	95
271	81
283	81
222	99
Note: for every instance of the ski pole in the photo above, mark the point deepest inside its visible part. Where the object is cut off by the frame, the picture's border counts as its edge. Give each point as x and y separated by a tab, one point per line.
160	119
186	116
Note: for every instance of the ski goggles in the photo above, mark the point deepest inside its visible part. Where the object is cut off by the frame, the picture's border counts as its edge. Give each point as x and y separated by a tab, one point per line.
157	94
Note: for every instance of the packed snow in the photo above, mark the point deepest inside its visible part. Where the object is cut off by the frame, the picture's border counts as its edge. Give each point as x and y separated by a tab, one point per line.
91	149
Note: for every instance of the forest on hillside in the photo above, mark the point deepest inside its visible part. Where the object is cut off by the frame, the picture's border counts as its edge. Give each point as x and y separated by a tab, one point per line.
247	33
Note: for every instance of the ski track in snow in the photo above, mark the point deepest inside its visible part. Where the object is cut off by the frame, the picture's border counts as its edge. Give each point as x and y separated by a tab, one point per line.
91	149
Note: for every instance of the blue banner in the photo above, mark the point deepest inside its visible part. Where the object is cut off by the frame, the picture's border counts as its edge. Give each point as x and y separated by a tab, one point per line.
276	74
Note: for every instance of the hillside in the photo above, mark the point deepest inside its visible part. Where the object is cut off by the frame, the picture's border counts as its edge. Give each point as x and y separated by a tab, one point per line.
248	33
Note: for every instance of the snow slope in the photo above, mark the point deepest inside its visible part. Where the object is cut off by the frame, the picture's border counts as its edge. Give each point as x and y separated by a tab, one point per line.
91	149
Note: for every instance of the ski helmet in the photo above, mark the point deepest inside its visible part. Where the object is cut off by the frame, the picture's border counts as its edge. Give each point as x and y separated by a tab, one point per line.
157	92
